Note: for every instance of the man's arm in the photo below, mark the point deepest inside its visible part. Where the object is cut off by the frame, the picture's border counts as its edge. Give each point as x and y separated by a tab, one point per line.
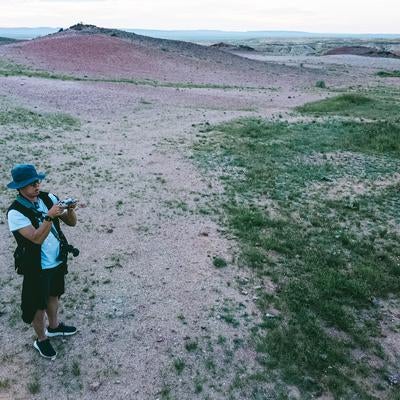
39	235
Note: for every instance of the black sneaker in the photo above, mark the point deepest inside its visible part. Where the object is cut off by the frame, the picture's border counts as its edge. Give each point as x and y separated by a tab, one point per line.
45	349
61	330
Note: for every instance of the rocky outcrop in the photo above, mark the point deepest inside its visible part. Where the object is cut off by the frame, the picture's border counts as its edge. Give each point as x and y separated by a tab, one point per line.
361	51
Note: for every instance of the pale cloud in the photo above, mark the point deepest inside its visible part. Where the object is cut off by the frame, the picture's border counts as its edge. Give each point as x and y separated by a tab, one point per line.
308	15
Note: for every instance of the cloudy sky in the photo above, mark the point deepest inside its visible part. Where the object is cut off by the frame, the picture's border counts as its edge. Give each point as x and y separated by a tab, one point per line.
349	16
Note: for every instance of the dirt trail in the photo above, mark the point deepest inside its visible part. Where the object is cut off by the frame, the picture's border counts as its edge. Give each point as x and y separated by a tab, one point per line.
145	283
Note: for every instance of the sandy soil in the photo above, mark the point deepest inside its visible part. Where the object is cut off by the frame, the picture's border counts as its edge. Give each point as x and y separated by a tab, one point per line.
144	284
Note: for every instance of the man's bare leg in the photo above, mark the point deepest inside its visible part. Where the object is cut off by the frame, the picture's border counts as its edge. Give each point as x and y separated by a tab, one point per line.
38	324
52	312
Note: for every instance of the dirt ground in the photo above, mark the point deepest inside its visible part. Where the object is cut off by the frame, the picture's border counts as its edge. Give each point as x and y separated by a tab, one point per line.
144	285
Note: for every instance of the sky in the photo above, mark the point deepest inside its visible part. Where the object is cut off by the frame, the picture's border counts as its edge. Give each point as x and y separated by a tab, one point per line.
330	16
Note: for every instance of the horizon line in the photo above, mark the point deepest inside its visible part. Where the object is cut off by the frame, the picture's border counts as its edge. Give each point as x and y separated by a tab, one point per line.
210	30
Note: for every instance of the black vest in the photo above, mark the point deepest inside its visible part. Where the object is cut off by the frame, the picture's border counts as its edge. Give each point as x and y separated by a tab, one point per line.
31	252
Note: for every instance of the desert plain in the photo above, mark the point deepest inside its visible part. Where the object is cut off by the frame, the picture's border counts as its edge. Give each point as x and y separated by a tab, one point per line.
166	304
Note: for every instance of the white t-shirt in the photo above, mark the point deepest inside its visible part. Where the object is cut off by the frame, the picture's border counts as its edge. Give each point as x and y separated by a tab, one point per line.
51	246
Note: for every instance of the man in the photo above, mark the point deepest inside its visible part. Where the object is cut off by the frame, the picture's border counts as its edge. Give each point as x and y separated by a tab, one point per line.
33	218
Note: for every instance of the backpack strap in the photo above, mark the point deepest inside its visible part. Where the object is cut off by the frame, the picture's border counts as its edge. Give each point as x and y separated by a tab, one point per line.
46	199
31	214
56	222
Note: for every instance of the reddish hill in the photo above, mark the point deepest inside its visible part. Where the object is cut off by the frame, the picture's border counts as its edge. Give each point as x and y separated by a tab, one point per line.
98	52
361	51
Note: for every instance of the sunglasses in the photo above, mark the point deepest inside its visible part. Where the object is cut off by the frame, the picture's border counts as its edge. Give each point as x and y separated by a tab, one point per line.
35	183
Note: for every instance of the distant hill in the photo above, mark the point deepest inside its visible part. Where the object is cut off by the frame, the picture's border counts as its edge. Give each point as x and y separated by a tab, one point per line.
5	40
199	35
215	35
87	51
361	51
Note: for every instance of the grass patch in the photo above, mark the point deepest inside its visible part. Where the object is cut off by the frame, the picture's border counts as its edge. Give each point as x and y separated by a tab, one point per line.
28	119
76	369
4	383
8	68
191	345
335	104
327	267
320	84
389	74
219	262
34	385
179	365
369	106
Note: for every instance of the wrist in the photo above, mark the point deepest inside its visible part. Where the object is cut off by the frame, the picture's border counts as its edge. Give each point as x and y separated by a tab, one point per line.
48	218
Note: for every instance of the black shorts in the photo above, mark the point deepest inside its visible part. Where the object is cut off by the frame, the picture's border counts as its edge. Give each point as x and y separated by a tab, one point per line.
37	288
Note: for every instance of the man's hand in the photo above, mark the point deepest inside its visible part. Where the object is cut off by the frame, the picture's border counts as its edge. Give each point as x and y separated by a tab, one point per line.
55	211
69	217
72	207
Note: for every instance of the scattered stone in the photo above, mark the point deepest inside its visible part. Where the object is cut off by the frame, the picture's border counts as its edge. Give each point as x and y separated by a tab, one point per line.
394	379
110	230
94	386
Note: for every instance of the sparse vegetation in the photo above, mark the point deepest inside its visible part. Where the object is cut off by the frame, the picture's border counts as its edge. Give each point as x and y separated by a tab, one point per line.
4	383
179	365
327	268
34	385
75	369
219	262
389	74
191	345
12	69
31	119
377	105
320	84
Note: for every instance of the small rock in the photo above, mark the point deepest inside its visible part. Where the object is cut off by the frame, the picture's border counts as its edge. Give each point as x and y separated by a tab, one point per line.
110	230
394	379
94	386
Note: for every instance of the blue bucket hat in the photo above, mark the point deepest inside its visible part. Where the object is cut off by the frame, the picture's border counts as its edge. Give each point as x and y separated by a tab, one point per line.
23	175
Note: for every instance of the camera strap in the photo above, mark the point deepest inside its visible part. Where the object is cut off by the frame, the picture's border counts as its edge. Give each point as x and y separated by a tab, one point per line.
39	214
